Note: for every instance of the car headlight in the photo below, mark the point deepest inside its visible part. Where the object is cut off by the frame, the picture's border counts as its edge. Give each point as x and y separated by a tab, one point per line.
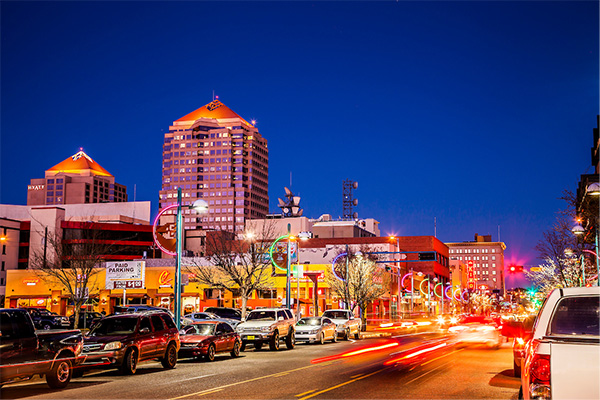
314	331
266	328
113	346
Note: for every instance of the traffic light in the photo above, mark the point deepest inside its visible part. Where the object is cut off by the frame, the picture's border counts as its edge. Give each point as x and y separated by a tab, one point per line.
515	269
388	268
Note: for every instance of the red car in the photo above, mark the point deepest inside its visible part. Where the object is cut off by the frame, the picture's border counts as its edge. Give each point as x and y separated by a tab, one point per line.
207	338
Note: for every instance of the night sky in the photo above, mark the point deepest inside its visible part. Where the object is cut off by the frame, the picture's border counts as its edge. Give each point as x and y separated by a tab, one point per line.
474	114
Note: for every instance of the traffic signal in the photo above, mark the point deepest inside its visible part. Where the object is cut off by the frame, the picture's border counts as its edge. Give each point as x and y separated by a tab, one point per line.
388	268
515	269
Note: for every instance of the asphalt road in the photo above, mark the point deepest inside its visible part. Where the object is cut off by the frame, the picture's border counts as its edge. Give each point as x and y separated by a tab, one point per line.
427	367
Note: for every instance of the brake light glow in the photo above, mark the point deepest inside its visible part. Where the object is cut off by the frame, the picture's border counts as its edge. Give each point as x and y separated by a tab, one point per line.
540	369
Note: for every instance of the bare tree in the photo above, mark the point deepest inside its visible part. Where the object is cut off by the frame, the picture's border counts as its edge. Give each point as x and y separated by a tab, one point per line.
238	265
366	281
564	253
73	259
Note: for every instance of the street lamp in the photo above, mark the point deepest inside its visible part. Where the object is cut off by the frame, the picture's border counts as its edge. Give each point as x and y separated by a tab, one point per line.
198	205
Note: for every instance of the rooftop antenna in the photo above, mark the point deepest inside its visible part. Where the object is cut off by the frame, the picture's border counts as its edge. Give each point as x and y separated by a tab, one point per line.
213	95
348	202
434	226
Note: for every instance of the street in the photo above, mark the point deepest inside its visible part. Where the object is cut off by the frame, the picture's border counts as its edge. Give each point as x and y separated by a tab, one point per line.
429	367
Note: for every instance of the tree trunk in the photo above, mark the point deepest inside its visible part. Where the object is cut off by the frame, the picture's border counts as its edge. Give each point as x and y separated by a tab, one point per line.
244	302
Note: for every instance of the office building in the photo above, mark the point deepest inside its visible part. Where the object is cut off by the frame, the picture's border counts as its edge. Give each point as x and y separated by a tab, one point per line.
214	154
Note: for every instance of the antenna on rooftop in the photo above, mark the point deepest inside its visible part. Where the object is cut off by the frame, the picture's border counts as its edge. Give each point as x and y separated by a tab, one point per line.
348	201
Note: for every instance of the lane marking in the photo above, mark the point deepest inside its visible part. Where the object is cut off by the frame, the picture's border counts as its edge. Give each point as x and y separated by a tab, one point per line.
445	355
305	393
191	379
356	376
209	391
427	373
344	383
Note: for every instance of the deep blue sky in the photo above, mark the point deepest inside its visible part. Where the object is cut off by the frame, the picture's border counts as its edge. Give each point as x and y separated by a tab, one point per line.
476	113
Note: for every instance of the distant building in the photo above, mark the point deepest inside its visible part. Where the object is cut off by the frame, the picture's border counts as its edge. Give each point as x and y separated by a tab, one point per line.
76	180
214	154
587	199
487	259
323	227
26	231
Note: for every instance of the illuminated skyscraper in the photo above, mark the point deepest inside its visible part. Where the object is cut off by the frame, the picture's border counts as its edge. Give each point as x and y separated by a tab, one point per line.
76	180
214	154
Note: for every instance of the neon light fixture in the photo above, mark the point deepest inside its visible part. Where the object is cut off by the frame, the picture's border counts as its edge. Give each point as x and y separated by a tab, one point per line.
271	251
333	265
155	224
421	286
404	277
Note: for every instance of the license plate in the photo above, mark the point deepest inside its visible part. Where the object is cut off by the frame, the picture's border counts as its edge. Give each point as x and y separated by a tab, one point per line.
250	337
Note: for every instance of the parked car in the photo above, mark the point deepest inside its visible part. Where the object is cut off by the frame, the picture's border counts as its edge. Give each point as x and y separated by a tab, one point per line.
225	312
346	323
476	330
46	319
208	316
316	330
86	319
124	340
25	352
132	308
268	325
207	338
520	332
562	358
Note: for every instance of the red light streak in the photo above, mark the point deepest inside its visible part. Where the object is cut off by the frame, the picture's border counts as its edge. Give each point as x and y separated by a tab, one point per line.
355	352
415	353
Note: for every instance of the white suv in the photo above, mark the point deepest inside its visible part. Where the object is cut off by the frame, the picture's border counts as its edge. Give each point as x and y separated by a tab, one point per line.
346	323
268	325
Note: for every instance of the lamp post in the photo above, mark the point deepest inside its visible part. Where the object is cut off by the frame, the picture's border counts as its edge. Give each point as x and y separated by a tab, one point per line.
198	205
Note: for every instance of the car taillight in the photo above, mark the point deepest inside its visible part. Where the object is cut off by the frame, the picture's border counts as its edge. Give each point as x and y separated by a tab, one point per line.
540	369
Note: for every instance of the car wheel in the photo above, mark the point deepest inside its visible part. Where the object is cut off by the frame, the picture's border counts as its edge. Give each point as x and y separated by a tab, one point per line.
334	339
274	343
290	340
130	361
170	359
516	370
322	338
235	352
60	375
347	334
210	354
258	345
357	335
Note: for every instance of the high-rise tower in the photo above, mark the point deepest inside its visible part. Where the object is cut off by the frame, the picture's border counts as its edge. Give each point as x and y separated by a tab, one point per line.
214	154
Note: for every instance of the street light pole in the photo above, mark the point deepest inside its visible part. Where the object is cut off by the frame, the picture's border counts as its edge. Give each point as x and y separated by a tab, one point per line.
347	291
179	239
289	261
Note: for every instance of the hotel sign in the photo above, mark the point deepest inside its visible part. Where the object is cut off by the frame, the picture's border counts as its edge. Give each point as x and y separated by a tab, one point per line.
125	274
35	187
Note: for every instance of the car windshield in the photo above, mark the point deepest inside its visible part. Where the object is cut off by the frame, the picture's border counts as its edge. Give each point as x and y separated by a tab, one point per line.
336	314
114	327
310	322
198	329
261	315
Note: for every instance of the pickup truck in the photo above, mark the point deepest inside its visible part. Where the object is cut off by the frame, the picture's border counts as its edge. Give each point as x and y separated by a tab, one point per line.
25	352
347	324
268	325
562	356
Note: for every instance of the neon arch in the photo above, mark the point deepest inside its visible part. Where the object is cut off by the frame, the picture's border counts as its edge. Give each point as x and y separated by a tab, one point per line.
403	278
154	225
442	292
421	286
333	265
454	294
446	292
271	251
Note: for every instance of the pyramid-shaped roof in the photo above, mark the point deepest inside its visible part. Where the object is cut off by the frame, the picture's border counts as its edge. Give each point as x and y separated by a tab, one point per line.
215	109
78	163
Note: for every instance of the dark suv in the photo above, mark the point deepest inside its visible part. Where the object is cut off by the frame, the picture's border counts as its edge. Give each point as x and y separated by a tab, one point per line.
225	312
46	319
124	340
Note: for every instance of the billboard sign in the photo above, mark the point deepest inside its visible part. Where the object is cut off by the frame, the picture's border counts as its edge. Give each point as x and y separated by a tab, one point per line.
125	274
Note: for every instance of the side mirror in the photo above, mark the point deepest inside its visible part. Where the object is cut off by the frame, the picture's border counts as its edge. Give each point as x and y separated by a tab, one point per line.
145	330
